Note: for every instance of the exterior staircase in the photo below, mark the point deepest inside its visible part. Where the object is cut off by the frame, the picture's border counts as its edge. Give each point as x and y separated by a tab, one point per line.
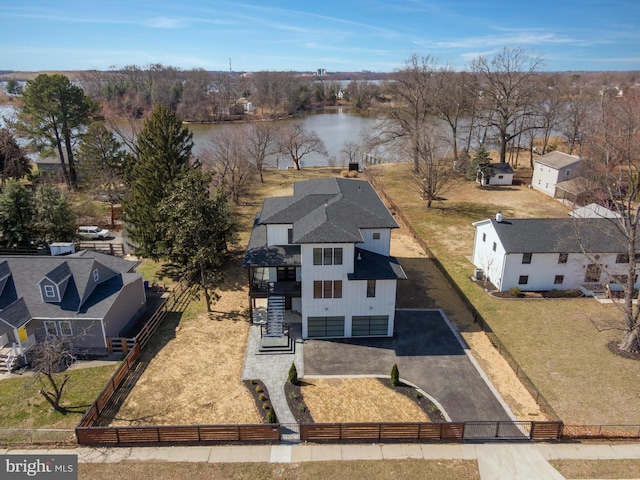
8	360
275	316
275	336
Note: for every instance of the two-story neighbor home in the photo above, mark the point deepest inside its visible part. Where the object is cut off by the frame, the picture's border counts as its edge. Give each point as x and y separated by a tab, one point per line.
82	298
324	252
553	168
538	254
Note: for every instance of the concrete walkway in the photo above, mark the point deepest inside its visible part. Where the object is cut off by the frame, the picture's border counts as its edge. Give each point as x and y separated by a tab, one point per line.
273	369
496	461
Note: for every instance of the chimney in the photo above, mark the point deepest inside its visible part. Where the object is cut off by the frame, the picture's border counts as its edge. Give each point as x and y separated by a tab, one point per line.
499	217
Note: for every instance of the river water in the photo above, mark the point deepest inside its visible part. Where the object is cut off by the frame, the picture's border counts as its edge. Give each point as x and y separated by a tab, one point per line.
334	126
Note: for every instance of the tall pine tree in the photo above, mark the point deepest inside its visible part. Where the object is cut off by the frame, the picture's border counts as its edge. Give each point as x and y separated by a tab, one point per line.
163	151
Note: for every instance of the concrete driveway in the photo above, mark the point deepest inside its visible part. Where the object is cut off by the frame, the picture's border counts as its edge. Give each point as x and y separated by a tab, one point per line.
428	354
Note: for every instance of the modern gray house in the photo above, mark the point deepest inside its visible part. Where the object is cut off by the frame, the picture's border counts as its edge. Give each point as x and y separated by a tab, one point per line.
83	298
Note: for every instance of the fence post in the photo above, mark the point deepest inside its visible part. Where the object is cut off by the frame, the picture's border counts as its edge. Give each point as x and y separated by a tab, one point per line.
109	346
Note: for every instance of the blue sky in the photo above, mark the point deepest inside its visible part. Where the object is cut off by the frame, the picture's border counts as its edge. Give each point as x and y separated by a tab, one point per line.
348	35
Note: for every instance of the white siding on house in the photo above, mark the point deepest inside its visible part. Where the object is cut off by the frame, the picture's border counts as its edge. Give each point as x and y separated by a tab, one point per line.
501	179
278	234
381	245
491	262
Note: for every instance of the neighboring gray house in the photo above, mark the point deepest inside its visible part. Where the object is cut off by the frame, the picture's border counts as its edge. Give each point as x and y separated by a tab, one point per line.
84	297
324	252
551	169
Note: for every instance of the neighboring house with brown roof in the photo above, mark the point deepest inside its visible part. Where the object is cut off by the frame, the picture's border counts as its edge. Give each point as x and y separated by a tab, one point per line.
83	298
551	169
324	252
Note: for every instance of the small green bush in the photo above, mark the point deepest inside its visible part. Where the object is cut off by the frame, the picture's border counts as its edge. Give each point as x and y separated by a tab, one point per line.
271	416
254	382
294	396
292	378
395	375
258	389
302	408
515	291
266	406
262	397
417	394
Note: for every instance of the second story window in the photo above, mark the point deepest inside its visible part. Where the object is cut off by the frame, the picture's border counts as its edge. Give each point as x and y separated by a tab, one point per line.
526	258
49	292
327	289
327	256
371	288
376	235
563	257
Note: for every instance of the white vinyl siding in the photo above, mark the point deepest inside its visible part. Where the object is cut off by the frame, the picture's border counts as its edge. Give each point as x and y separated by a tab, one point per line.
376	245
278	234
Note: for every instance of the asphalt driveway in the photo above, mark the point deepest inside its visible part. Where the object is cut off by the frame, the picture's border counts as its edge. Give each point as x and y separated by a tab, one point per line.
427	353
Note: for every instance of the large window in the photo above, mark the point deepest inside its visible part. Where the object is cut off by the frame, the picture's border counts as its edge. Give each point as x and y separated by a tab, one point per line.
65	328
327	256
371	288
592	275
50	328
622	258
327	289
286	274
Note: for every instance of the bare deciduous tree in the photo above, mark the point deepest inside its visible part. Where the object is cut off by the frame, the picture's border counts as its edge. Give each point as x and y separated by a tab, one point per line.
260	141
507	86
49	359
434	168
297	142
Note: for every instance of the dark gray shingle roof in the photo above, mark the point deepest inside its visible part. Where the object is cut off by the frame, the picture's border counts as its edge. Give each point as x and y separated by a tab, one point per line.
559	235
328	210
372	266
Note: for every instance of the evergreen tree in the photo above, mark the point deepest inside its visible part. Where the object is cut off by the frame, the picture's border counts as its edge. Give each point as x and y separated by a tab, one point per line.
53	117
16	215
13	161
101	164
53	219
197	229
480	166
162	153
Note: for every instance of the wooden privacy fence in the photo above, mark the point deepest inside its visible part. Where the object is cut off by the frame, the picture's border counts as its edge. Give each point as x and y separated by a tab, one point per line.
125	344
175	435
332	432
114	249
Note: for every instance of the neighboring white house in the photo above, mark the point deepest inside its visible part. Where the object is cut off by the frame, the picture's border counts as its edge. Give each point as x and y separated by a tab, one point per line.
538	254
324	252
502	175
553	168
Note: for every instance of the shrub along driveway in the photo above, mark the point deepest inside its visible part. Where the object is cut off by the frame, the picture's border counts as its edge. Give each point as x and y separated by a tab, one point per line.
427	353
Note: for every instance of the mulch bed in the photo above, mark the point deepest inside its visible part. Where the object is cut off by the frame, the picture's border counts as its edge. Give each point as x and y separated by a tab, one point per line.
303	415
263	405
296	403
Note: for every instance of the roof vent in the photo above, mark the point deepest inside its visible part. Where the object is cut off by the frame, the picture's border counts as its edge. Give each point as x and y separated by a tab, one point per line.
499	217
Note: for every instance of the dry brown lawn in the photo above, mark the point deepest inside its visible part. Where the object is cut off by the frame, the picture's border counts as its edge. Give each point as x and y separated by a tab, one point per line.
194	378
358	400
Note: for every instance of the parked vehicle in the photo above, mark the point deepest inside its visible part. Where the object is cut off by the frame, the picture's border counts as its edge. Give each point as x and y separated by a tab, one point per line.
92	232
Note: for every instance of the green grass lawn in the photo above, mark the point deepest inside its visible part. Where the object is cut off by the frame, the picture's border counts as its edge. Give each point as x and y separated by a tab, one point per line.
22	406
560	343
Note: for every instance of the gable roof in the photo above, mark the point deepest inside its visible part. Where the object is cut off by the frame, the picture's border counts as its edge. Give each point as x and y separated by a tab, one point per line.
558	235
82	298
557	160
328	210
501	168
